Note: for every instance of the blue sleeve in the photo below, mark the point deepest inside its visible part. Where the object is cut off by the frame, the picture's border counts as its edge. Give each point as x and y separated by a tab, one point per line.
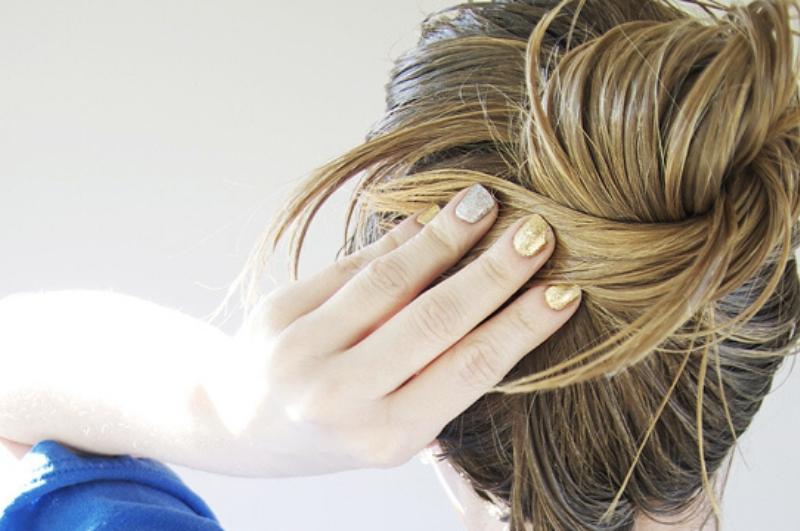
65	490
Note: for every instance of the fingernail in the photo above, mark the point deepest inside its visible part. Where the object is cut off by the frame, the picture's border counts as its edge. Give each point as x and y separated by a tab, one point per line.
531	236
475	204
428	214
558	296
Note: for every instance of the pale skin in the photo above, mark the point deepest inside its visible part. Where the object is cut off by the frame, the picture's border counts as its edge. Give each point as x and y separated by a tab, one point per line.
339	371
350	368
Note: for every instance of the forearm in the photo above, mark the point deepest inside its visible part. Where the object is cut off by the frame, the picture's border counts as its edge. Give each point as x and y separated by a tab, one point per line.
109	373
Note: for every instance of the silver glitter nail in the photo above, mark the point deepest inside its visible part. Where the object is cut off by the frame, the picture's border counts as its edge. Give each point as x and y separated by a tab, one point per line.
475	204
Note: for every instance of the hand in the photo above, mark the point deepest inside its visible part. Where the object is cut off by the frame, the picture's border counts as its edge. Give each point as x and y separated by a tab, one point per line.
362	372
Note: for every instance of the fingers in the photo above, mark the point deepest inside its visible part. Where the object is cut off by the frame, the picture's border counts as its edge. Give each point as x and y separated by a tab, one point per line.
438	318
477	362
287	303
393	279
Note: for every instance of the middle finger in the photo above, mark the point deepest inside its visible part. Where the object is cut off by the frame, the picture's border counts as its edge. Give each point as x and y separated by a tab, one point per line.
435	320
390	281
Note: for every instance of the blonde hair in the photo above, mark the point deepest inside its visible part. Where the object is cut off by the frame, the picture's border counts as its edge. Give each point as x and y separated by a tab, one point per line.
663	148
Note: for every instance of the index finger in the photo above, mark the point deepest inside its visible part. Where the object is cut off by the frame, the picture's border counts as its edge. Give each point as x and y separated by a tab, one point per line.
444	314
287	303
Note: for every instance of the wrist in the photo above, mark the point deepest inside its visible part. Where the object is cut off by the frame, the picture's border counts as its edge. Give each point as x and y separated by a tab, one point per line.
227	409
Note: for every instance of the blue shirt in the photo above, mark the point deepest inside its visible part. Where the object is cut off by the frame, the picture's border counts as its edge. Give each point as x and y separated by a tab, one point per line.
67	490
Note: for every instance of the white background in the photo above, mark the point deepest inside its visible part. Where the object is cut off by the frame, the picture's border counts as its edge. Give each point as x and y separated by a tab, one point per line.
143	147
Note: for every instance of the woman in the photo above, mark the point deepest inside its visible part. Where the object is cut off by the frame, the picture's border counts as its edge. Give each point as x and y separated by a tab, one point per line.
296	379
661	148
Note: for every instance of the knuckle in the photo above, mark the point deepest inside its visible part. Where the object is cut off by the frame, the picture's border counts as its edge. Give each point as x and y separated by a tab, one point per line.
389	442
388	242
440	241
495	270
282	370
350	265
323	404
387	274
524	320
280	362
330	391
438	317
286	355
385	451
288	340
274	307
479	363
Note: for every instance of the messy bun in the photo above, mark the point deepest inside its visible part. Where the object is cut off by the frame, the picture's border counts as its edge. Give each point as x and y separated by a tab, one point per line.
663	147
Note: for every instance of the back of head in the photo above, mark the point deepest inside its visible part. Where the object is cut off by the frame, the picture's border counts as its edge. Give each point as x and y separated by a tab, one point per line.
662	146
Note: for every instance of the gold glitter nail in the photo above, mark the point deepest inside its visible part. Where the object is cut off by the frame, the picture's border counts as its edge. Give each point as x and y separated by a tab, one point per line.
558	296
531	236
428	214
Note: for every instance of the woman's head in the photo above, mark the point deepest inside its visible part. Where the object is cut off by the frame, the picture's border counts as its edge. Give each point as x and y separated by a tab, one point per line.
663	148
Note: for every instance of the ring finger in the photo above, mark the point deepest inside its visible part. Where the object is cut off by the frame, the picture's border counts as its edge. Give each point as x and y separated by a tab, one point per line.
438	318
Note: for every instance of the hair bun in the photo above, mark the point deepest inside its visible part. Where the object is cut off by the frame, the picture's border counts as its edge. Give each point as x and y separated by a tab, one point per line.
691	122
662	148
754	130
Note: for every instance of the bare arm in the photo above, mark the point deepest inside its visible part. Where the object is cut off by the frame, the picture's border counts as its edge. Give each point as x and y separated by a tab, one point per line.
356	366
111	373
